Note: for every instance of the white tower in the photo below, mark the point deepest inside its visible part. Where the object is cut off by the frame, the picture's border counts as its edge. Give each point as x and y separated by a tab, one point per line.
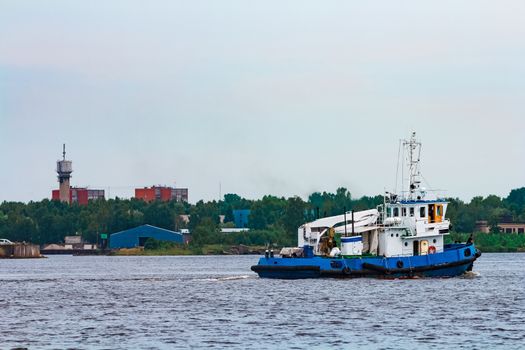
64	170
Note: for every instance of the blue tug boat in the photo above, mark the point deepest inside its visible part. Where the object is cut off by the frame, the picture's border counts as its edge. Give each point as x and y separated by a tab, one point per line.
402	238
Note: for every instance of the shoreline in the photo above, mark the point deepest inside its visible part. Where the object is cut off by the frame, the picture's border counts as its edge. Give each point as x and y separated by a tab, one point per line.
211	249
140	252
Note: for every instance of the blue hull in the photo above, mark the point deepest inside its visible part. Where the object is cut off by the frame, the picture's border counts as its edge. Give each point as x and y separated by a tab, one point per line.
455	260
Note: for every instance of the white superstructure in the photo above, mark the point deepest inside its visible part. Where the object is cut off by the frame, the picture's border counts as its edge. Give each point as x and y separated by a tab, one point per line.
412	223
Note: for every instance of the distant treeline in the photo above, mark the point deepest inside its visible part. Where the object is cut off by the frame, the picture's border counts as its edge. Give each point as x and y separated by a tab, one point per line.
272	219
491	242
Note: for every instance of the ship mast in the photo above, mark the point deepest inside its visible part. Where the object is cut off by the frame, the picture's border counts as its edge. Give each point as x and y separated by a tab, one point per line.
413	154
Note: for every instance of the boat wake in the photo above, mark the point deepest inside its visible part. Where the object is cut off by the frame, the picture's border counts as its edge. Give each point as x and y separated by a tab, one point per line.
471	274
229	278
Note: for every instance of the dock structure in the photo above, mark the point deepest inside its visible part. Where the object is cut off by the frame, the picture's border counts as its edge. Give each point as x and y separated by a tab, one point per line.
19	251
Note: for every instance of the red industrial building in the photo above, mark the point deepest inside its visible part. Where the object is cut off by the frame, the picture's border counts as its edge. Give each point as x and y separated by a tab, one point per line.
162	193
79	195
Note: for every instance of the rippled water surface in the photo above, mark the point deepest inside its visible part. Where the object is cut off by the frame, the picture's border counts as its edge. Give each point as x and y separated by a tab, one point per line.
193	302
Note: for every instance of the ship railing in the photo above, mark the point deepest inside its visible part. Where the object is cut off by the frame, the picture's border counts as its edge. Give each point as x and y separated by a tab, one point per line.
438	194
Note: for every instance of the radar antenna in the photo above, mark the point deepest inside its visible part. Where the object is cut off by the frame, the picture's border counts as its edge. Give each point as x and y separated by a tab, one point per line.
414	156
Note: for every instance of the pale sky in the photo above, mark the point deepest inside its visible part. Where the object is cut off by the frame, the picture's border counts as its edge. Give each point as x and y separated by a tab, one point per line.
262	97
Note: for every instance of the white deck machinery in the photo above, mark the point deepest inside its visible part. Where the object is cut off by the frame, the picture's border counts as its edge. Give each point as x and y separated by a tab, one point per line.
358	230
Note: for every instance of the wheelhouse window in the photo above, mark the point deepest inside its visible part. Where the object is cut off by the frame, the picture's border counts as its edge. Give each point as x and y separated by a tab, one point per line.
403	211
439	210
411	211
422	212
435	213
396	212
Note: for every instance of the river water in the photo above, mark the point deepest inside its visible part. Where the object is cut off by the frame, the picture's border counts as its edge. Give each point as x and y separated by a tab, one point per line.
217	302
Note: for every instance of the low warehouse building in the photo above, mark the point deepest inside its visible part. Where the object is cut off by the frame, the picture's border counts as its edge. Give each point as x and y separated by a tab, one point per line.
137	237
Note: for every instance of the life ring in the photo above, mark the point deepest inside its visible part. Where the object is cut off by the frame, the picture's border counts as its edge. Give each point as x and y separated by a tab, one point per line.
431	250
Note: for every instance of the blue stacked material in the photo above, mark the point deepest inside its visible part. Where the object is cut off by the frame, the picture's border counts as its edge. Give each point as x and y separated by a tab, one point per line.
241	217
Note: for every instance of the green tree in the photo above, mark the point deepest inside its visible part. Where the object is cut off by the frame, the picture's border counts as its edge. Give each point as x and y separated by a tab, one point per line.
205	232
258	217
293	215
203	210
516	200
